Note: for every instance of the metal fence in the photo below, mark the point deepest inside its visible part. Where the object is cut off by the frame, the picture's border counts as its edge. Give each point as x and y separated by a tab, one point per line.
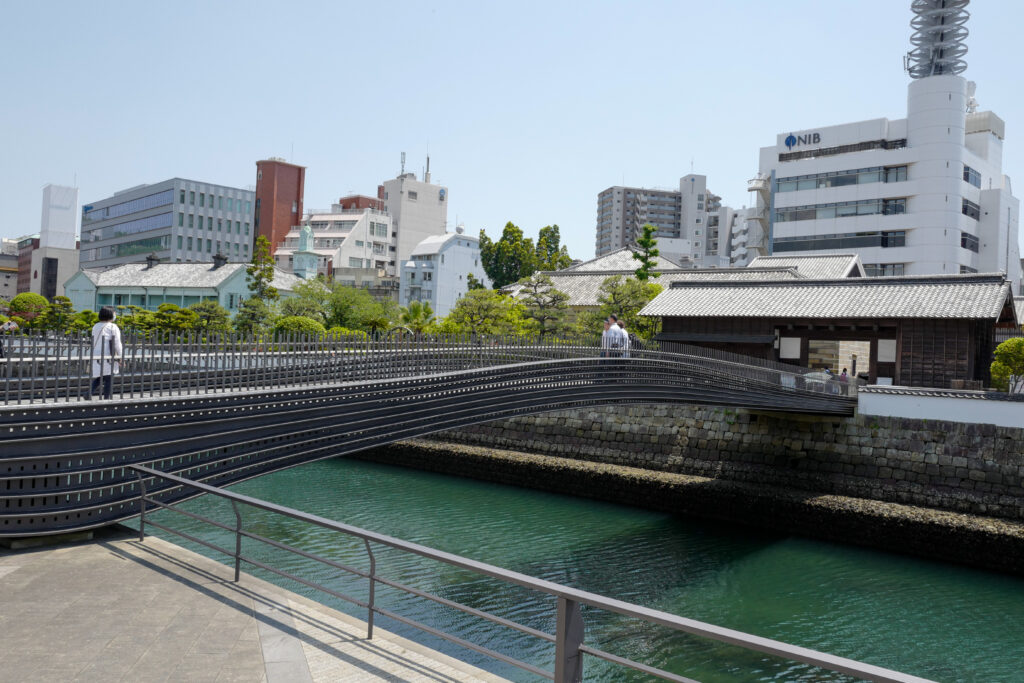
569	635
44	368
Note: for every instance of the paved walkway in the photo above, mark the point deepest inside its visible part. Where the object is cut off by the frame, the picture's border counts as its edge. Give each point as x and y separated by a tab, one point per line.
114	609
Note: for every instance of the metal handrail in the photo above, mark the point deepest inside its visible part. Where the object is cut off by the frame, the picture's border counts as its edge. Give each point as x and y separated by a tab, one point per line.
568	638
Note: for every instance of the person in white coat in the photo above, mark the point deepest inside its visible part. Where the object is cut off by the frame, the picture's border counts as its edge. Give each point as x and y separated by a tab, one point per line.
107	351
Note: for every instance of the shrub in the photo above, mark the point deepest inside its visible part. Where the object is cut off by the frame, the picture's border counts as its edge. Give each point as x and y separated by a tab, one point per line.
297	324
346	332
28	305
1008	367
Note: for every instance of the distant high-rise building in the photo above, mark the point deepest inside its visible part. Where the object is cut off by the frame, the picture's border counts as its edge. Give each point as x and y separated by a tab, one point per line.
418	209
279	191
925	194
689	221
179	220
48	259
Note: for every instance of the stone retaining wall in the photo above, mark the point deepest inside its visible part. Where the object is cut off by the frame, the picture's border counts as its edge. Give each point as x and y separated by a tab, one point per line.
977	469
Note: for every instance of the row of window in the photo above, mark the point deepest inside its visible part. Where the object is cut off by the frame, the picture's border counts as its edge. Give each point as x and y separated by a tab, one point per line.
210	200
843	149
378	229
970	209
863	207
849	240
971	176
193	223
969	242
186	244
138	225
882	269
859	176
131	206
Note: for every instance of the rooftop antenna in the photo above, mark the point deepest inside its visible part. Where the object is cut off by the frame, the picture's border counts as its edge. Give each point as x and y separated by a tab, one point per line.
938	40
403	164
426	174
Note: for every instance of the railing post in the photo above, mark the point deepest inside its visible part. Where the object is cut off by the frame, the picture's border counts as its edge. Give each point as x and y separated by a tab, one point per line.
142	506
238	540
568	638
373	584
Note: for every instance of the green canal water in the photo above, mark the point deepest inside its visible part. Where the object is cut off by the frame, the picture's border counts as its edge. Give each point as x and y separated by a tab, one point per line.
930	619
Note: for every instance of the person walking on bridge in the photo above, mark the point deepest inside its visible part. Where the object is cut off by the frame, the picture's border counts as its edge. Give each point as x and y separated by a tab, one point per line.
627	342
107	351
615	340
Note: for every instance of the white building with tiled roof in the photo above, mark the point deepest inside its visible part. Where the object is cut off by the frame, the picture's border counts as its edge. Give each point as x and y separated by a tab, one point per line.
150	284
437	271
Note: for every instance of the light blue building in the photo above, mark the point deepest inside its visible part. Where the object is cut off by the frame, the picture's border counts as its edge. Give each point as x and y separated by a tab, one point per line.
436	272
150	284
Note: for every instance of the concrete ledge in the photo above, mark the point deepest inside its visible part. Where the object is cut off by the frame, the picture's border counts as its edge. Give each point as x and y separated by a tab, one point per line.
977	541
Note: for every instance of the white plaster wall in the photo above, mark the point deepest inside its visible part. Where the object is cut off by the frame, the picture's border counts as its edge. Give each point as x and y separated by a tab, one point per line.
970	410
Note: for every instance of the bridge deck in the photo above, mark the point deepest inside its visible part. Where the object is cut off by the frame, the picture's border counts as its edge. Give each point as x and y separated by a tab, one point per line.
163	613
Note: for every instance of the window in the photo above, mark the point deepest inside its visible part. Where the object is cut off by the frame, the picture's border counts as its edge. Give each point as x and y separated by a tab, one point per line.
180	240
189	244
220	202
209	246
971	176
428	276
209	222
971	210
191	219
696	245
202	199
359	243
231	300
192	198
295	207
882	269
181	219
893	206
220	225
895	174
967	269
968	241
181	197
355	262
130	206
412	196
700	197
238	227
849	240
864	207
247	208
246	228
843	149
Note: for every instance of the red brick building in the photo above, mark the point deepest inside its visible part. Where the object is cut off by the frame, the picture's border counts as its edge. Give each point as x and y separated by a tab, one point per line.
279	190
360	202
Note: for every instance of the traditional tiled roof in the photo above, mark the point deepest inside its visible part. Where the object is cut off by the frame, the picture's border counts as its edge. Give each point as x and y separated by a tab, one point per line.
815	267
197	275
929	296
619	260
584	287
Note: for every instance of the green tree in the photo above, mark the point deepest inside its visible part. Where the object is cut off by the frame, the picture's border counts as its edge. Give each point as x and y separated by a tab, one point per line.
84	320
543	304
211	316
417	316
379	316
135	319
253	317
472	283
647	253
309	299
260	272
1008	367
550	253
57	315
297	324
510	259
28	306
484	311
173	319
624	297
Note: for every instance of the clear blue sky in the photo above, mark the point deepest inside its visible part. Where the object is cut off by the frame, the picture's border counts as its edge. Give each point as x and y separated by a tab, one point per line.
528	109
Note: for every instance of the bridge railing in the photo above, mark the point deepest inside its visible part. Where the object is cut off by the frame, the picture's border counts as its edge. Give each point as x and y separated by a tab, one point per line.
46	368
570	628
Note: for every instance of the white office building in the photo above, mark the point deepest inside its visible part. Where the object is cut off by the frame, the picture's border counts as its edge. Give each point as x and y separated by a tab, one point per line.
437	271
925	194
343	238
418	209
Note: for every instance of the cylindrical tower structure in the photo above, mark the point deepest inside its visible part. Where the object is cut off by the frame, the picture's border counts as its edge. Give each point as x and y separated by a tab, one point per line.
939	34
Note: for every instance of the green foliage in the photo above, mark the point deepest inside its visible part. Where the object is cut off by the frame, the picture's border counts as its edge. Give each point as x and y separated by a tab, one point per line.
345	332
647	252
510	259
623	297
57	315
297	324
543	304
135	319
1008	367
310	299
417	316
356	308
260	272
211	316
472	283
550	255
84	320
28	306
253	316
485	311
174	319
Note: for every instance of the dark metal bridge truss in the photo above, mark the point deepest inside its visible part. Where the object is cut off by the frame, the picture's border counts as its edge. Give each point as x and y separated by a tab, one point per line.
64	462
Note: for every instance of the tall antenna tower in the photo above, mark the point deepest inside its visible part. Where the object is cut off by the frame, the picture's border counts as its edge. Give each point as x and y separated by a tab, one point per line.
938	39
403	165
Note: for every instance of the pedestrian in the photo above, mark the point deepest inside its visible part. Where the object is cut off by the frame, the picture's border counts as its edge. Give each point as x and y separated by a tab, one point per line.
843	377
106	352
604	339
625	339
8	327
617	338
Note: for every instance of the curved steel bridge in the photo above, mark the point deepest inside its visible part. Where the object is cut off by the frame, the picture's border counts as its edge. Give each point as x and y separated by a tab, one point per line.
222	413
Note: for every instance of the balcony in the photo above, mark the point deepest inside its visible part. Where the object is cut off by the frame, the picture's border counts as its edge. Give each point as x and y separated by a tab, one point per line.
760	183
